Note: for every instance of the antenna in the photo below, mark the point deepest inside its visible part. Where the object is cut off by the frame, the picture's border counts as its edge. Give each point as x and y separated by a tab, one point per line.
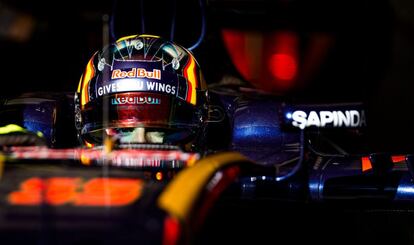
142	16
203	26
112	21
174	10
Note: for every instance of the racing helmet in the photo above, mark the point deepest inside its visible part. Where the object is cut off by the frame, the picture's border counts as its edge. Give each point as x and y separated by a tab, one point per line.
142	89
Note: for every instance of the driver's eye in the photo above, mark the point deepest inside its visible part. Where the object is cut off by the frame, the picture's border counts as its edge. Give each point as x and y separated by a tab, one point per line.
155	137
125	130
118	131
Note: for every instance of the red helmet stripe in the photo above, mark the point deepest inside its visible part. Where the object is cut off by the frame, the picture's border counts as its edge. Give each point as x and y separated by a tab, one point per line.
89	73
192	81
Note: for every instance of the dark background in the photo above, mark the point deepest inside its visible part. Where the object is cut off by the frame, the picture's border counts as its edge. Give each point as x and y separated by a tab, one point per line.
45	47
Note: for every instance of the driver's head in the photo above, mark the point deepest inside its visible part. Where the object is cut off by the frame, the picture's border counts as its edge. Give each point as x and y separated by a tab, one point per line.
142	89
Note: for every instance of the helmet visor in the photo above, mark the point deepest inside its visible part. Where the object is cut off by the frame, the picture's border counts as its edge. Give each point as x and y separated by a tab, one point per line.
165	119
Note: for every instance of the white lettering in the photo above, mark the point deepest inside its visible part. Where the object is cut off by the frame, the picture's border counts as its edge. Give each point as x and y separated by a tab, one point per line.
151	86
299	119
354	118
343	119
350	118
313	119
160	87
130	85
326	117
363	121
100	91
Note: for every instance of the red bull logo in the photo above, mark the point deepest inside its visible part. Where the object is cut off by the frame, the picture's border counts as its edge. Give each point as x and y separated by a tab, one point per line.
136	73
135	100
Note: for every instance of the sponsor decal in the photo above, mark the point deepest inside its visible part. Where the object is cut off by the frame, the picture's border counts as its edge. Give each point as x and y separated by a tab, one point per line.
337	118
59	191
130	85
136	73
135	100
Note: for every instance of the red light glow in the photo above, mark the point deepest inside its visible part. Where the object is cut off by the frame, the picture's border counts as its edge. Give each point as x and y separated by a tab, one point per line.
59	191
366	163
283	66
269	61
172	231
396	159
236	46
